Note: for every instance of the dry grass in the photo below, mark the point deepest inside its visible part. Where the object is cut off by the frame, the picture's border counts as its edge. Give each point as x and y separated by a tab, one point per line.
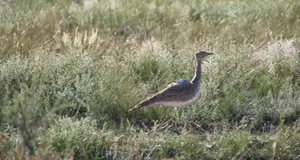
70	70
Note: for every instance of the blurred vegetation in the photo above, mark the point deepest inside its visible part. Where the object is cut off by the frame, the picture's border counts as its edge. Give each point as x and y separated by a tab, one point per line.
70	70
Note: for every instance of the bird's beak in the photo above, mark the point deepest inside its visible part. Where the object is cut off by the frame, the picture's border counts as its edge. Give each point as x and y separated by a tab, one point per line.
210	53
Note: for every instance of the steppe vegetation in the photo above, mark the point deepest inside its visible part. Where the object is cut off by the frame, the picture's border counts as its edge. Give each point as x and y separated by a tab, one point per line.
70	70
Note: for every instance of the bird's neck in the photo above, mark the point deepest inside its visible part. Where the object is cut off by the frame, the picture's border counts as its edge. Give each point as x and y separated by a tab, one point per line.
197	77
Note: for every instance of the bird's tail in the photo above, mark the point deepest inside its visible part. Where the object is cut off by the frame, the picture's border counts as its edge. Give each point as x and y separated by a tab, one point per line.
134	108
142	104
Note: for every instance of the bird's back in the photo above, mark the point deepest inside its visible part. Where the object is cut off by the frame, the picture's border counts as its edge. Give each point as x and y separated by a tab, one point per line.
172	96
178	92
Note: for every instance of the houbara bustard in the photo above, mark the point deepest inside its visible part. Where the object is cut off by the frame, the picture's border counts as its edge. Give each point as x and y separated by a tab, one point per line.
179	94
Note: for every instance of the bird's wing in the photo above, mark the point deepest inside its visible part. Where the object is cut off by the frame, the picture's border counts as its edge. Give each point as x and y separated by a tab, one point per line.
184	81
177	92
172	84
181	82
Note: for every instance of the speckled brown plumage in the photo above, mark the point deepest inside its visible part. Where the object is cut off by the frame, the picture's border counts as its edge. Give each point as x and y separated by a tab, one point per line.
177	92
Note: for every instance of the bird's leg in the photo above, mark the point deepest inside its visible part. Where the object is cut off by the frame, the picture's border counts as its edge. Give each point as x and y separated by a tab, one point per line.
176	116
183	117
175	113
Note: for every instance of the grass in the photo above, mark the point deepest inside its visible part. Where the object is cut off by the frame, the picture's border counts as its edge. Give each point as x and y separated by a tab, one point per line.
70	70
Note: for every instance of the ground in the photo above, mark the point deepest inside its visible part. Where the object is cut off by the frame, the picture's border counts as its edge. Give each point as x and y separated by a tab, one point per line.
70	71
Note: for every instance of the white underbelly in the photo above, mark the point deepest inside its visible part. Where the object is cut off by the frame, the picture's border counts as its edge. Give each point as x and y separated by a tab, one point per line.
178	104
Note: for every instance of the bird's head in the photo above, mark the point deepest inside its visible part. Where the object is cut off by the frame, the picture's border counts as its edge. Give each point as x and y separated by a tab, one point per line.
202	54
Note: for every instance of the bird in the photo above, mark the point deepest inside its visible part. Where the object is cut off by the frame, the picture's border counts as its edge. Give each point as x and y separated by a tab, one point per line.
179	94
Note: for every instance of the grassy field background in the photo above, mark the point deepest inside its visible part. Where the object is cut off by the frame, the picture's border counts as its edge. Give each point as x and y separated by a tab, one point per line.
70	70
